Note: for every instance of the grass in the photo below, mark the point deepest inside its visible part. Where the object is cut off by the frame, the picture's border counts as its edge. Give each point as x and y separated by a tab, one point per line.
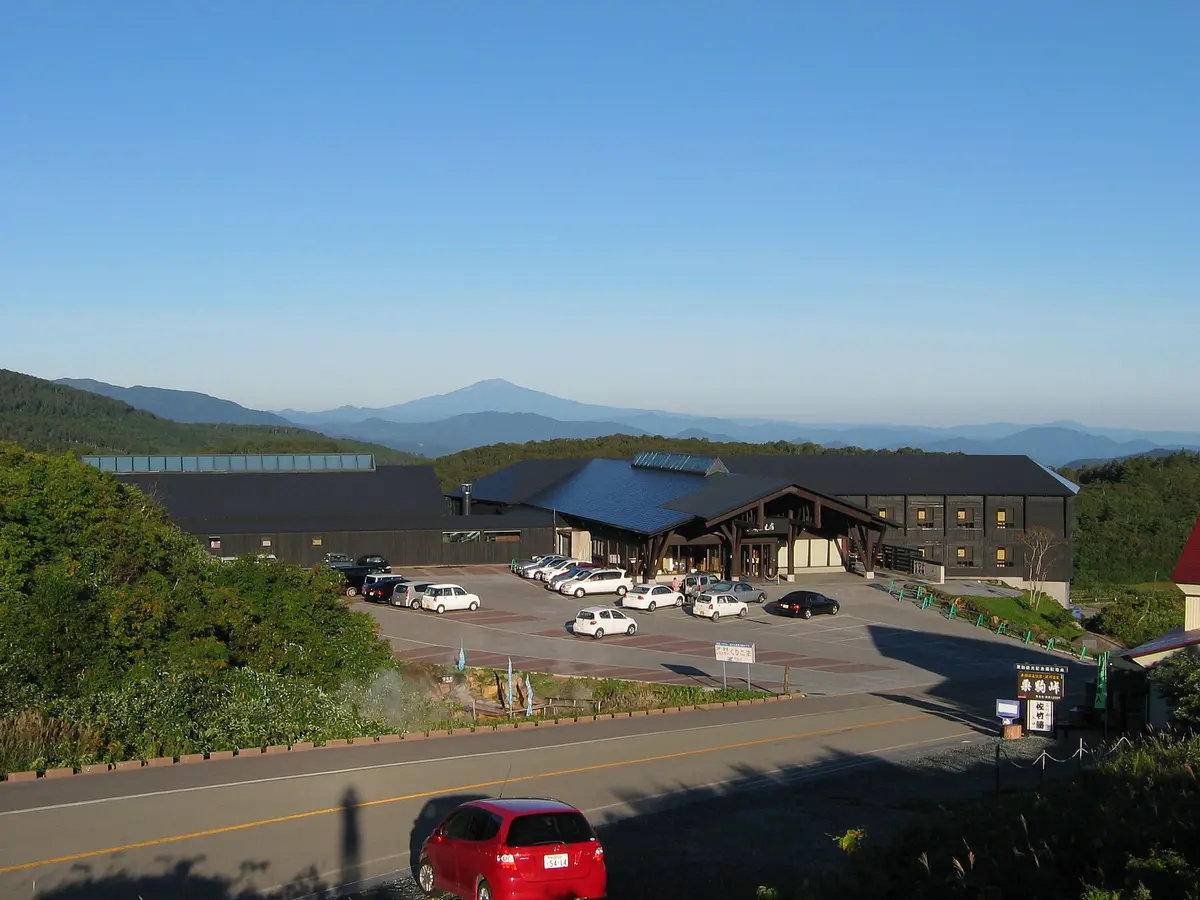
1048	620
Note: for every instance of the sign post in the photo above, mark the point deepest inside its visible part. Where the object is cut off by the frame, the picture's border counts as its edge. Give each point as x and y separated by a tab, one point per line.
1040	686
729	651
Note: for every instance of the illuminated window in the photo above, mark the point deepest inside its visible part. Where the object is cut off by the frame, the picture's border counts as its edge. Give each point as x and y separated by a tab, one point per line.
1001	554
961	552
883	514
214	543
921	515
266	542
1002	518
316	542
962	515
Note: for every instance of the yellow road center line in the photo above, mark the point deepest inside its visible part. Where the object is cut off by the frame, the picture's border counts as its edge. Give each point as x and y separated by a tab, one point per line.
455	790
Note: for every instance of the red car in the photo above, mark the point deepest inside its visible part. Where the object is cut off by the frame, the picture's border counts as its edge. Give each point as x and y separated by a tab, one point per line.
514	849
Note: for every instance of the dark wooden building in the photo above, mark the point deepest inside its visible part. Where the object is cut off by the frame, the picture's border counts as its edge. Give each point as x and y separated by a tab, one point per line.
299	513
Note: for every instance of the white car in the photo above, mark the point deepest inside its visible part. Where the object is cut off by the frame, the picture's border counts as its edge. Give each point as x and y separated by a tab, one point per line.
441	597
601	620
714	606
651	596
598	581
540	566
545	573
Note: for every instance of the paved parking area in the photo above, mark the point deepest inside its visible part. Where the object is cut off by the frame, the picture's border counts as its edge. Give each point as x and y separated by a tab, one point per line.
875	644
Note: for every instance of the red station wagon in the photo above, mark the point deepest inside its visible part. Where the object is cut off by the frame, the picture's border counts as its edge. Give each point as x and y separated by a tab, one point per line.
514	849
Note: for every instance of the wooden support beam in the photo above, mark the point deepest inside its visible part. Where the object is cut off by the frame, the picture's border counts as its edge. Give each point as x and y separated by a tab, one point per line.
816	514
762	516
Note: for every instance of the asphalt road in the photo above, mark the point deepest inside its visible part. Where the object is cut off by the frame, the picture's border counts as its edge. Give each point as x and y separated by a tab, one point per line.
299	822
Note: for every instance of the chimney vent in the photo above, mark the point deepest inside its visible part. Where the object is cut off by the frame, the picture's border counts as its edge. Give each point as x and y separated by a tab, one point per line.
466	494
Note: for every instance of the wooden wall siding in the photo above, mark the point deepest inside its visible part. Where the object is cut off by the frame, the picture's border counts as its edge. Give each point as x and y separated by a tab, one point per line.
402	548
1014	508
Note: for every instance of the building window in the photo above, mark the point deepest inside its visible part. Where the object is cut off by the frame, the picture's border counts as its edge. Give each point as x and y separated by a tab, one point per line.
266	542
922	515
214	543
1002	518
1002	560
961	552
316	542
883	514
502	537
460	537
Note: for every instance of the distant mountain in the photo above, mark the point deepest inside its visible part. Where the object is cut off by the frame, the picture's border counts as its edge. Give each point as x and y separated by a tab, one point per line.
1049	446
470	430
1156	452
493	395
178	406
54	418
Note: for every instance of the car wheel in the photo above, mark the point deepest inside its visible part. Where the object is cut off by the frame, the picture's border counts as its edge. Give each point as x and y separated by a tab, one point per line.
352	591
579	592
651	607
716	616
631	629
622	591
425	877
597	634
833	610
416	604
742	613
808	614
484	892
474	606
441	609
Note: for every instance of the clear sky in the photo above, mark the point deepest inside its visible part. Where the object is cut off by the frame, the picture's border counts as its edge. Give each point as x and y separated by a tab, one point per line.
922	212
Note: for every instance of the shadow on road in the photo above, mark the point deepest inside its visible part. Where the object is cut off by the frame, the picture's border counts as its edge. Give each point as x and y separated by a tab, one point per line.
178	881
429	818
351	840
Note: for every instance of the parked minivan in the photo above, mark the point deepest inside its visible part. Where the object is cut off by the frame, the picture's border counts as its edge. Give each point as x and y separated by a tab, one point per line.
598	581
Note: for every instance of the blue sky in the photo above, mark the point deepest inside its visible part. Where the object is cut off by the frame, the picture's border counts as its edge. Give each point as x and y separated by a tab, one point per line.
927	212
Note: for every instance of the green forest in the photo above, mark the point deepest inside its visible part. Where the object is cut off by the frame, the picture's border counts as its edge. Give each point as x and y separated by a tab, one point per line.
120	637
51	418
471	465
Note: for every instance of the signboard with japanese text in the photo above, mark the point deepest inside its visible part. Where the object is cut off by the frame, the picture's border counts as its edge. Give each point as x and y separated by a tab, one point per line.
1038	682
728	651
1039	715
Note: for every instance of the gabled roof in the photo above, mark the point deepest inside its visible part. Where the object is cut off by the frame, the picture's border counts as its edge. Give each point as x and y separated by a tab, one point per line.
720	494
1172	640
517	483
390	498
611	491
881	474
1187	570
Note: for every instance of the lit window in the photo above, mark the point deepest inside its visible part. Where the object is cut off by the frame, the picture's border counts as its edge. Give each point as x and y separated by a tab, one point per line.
214	543
316	542
962	515
1002	515
883	514
266	542
1001	554
961	553
921	515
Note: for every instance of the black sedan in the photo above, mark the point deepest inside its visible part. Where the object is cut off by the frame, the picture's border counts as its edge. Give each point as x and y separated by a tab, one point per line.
806	604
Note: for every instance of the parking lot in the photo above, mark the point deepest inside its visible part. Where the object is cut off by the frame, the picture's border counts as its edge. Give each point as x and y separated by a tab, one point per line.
875	642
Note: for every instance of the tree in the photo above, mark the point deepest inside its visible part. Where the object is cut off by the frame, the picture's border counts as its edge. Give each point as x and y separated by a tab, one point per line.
1038	541
1178	679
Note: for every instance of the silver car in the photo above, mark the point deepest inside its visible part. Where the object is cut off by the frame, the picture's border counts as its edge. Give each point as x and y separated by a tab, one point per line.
743	590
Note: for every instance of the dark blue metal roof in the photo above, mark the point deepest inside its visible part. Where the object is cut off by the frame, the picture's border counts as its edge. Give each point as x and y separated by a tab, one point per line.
613	492
679	462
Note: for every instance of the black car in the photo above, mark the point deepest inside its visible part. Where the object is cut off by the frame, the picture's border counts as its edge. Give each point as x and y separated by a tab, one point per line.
379	588
806	604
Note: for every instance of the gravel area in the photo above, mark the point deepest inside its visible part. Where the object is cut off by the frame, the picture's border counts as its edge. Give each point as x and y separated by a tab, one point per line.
783	822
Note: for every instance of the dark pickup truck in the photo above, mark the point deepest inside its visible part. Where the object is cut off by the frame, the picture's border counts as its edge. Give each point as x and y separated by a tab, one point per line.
355	573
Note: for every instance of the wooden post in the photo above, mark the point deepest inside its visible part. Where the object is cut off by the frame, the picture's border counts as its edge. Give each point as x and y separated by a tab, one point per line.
787	679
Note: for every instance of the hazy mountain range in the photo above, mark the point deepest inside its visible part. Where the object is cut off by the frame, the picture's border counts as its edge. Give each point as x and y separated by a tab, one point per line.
496	411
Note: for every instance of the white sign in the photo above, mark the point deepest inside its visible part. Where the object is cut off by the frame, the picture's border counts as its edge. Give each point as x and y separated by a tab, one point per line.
1039	715
1008	709
727	651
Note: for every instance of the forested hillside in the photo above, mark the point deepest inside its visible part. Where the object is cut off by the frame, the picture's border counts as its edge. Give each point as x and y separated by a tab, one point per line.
1133	517
473	464
121	637
51	418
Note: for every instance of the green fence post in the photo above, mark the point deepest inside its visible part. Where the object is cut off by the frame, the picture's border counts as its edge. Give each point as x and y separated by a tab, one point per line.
1028	636
1050	644
900	594
1003	629
953	611
979	621
1082	653
925	603
892	587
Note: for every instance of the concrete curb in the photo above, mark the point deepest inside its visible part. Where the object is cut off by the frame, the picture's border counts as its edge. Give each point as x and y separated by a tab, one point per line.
129	765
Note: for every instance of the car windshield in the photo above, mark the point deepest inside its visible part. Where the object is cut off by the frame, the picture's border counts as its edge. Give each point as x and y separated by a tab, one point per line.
549	828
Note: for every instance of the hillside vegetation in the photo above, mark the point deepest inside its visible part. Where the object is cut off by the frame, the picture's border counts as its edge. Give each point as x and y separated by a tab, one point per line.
471	465
52	418
121	637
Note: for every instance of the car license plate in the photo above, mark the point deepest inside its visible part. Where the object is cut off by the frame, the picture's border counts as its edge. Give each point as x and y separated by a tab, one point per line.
556	860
